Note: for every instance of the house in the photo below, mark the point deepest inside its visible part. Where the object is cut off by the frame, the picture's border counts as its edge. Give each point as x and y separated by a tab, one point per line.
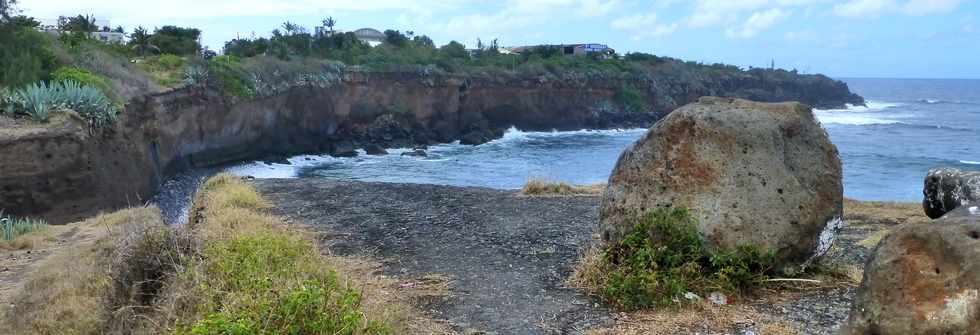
581	49
104	34
371	36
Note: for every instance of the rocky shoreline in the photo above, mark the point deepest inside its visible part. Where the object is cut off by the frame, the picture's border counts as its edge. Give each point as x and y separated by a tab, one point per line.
53	169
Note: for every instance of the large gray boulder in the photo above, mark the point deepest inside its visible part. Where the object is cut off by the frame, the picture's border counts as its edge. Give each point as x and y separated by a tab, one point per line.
923	279
762	174
946	189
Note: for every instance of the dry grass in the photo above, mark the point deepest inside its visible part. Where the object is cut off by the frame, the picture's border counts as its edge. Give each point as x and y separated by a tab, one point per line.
537	188
698	318
65	293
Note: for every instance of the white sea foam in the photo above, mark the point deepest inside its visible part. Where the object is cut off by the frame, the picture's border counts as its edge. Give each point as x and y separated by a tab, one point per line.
265	170
970	162
859	115
516	135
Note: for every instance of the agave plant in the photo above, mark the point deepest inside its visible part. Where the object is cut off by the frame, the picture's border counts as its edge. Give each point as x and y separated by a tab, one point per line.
195	75
37	100
88	102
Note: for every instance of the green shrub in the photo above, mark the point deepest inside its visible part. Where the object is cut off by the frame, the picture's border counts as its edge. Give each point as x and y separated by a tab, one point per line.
664	257
11	227
81	76
170	62
25	56
231	77
630	99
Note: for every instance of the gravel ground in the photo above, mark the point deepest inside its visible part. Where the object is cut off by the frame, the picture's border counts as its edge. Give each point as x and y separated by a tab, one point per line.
507	255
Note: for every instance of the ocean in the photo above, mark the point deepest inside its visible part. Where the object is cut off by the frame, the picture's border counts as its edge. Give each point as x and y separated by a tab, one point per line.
907	127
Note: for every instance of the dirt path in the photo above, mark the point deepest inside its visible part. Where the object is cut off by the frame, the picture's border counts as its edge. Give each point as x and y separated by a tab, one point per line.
507	256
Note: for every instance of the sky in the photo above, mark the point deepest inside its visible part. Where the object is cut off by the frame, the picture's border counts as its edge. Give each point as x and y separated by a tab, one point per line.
840	38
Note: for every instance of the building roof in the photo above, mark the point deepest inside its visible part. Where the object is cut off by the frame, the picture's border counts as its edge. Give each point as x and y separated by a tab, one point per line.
369	34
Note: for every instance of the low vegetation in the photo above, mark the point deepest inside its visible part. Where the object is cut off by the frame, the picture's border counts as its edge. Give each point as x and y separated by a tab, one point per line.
39	100
234	269
13	227
664	258
257	276
537	187
167	70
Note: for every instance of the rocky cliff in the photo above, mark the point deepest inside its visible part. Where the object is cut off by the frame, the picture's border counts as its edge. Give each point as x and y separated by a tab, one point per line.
62	171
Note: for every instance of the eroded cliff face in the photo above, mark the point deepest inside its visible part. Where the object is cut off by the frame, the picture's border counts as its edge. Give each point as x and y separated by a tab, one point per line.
64	171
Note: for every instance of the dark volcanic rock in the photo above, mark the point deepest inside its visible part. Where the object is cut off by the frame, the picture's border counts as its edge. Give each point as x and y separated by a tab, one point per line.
476	137
752	173
374	149
343	149
416	153
946	189
507	256
923	279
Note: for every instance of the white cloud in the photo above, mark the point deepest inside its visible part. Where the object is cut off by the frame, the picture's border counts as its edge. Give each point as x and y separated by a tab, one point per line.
643	25
758	22
863	8
924	7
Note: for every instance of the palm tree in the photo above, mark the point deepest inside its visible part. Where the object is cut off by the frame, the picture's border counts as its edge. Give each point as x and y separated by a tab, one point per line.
289	27
329	22
140	40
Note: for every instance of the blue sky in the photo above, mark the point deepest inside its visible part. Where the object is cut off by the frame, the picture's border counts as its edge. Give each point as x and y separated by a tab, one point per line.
841	38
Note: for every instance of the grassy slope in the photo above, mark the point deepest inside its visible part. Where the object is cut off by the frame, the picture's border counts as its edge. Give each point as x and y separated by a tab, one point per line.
233	269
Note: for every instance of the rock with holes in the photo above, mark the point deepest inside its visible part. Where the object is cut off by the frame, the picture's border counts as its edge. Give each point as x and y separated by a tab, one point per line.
946	189
923	279
762	174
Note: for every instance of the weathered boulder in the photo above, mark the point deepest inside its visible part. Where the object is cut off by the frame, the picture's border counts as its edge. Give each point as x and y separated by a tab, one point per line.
923	279
762	174
343	149
946	189
375	150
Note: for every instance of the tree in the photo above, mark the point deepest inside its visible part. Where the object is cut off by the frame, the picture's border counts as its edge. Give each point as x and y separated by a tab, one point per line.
77	24
119	29
395	38
329	22
24	21
6	9
140	41
177	40
454	50
424	41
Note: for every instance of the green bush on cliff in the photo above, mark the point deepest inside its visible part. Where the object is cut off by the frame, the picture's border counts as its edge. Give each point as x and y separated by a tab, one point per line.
663	258
25	56
631	99
231	76
81	76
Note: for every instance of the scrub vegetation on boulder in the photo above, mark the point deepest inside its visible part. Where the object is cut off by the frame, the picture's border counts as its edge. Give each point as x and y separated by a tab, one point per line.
663	258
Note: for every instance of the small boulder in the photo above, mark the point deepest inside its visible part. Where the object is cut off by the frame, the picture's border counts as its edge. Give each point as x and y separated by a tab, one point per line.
946	189
416	153
375	150
760	174
923	279
343	149
476	137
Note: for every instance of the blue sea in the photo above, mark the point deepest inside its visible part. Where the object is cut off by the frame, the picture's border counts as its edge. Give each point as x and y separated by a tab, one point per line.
907	127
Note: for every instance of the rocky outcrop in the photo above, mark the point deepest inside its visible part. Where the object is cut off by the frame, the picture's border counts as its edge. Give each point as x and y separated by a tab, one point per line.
752	173
946	189
923	279
159	135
